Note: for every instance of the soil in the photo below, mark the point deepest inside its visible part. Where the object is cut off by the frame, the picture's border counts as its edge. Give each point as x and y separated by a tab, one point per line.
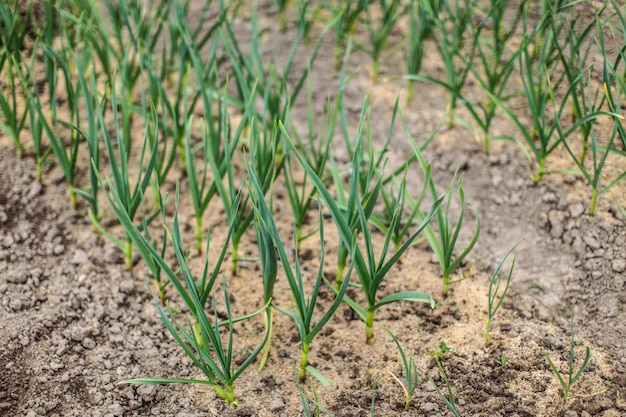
74	321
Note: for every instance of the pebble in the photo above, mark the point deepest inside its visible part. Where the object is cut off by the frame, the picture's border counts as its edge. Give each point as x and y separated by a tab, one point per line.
244	411
276	405
116	409
592	242
147	392
127	286
8	241
17	276
58	250
35	189
429	407
618	265
80	257
556	218
577	210
15	304
88	343
549	197
78	333
430	386
570	413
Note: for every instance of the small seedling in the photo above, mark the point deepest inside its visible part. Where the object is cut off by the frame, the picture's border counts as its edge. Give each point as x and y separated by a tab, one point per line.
503	360
370	270
270	243
409	369
438	356
571	377
495	300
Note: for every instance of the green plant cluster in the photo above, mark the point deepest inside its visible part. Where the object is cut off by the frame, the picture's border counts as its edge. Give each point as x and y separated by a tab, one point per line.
216	121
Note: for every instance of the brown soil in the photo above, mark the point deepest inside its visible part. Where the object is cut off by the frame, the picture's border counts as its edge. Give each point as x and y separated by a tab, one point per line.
73	321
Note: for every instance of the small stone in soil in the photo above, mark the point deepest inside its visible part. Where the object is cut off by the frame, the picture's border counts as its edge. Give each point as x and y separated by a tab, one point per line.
618	265
429	407
276	405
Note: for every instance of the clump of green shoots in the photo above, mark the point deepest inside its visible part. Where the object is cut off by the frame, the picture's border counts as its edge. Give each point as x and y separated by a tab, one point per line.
346	16
27	80
450	401
370	270
14	118
202	337
571	377
451	23
379	29
131	196
316	150
420	29
409	369
305	306
66	155
494	298
371	164
444	241
217	149
613	87
263	146
495	62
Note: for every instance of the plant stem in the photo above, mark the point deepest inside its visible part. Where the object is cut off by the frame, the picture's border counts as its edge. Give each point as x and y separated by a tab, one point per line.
128	253
199	233
197	334
39	170
488	333
594	198
298	236
235	259
304	361
369	327
451	115
73	201
539	172
446	285
375	71
341	265
409	92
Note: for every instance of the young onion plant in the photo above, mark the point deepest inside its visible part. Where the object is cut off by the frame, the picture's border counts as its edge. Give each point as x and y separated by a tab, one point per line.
494	62
379	29
572	376
66	155
131	195
270	241
36	129
420	29
316	150
574	59
592	171
494	297
443	242
370	164
263	145
346	17
410	381
364	188
370	270
201	336
456	51
13	119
